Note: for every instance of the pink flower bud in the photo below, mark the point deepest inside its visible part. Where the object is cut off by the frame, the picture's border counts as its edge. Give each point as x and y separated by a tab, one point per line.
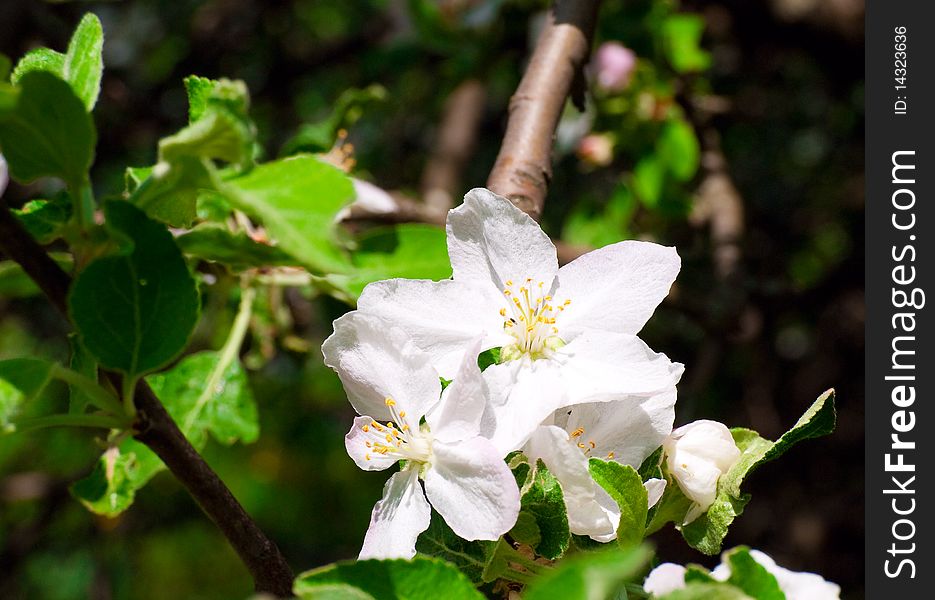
614	64
596	149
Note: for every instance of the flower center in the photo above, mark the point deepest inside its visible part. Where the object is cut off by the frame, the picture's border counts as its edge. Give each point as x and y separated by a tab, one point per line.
577	438
530	318
398	438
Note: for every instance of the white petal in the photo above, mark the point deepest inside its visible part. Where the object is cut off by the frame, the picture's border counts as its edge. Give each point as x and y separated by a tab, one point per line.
473	489
587	513
458	415
521	396
654	490
397	519
798	585
708	440
376	361
696	477
617	287
356	443
442	317
664	579
600	366
631	429
490	241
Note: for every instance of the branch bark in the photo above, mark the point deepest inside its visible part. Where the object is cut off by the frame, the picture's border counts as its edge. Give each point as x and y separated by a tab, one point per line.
156	429
523	167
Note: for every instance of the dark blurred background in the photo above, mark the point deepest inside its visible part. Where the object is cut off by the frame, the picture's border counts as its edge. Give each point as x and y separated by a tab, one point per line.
767	313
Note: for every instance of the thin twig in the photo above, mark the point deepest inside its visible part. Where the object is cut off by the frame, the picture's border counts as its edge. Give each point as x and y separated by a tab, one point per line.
524	166
156	429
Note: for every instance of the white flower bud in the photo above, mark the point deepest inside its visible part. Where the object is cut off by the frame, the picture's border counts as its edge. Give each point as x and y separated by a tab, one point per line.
697	455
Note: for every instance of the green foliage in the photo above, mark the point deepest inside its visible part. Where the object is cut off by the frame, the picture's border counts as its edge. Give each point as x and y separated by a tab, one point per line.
750	576
135	310
707	591
471	558
217	243
591	575
545	526
421	578
21	380
39	59
45	130
14	283
297	199
625	486
707	532
320	136
682	34
110	487
45	219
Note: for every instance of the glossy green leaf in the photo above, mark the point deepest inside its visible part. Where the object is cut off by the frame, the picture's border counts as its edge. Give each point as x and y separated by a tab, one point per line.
46	131
135	311
421	578
471	558
84	64
543	502
39	59
217	243
625	486
45	219
588	575
750	576
21	380
297	199
707	532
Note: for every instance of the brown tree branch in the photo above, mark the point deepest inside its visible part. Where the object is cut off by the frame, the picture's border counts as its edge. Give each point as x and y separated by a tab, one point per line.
524	165
156	429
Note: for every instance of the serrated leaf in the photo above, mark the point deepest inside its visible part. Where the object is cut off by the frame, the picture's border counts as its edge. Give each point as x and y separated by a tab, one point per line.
707	591
45	130
625	486
217	243
707	532
410	251
750	576
45	219
542	499
297	200
135	311
39	59
421	578
471	558
84	64
590	575
21	380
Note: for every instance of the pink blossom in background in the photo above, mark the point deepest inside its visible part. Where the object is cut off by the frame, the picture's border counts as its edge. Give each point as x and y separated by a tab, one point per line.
614	64
596	149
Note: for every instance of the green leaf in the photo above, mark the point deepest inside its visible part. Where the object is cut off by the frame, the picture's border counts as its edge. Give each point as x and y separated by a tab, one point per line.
471	558
39	59
297	200
5	66
15	283
170	194
109	489
81	362
83	61
682	38
648	179
488	357
750	576
21	380
410	251
421	578
198	90
320	136
591	575
707	591
542	500
679	149
45	219
707	532
217	243
135	311
625	486
46	131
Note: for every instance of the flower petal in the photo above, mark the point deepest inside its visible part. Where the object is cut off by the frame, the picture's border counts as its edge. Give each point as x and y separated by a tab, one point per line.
617	287
626	430
376	361
490	242
664	579
600	366
458	415
521	396
442	317
654	490
356	444
588	505
397	519
473	489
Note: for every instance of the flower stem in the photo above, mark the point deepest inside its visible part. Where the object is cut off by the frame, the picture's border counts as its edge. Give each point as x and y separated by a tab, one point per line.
97	420
97	395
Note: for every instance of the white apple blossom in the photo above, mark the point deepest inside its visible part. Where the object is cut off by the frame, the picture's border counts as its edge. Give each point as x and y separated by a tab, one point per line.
625	431
566	335
697	454
669	577
392	385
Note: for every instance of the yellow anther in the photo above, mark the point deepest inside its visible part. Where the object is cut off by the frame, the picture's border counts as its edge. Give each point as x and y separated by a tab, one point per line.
405	427
390	402
577	432
555	330
507	292
368	444
541	283
402	413
367	456
592	444
548	298
580	445
523	290
610	455
502	312
509	282
528	279
567	302
366	428
389	437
